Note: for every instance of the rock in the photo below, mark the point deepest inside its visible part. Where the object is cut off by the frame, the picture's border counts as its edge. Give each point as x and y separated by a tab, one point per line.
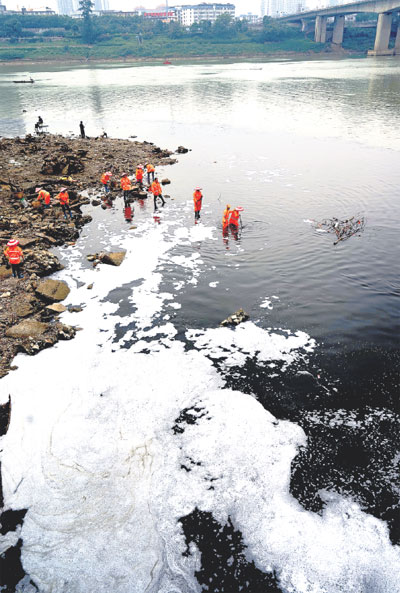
41	262
235	319
90	286
91	257
131	228
56	308
75	309
182	150
46	237
53	290
96	202
4	272
24	309
113	259
165	181
65	332
26	241
5	295
27	329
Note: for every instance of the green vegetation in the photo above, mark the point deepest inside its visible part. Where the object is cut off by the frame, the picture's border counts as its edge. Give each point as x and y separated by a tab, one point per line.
59	37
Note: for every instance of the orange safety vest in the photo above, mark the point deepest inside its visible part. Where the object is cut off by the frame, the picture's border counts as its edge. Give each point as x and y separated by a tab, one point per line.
155	188
44	195
126	183
150	168
139	174
197	199
105	178
234	218
13	254
63	197
225	217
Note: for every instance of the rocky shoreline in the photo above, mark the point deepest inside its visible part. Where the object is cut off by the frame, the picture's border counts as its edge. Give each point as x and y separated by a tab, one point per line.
29	307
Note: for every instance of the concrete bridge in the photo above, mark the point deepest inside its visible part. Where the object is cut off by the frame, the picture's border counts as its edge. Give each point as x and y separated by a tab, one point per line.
383	8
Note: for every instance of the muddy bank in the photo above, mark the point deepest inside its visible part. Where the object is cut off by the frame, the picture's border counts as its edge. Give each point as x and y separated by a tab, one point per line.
257	56
28	317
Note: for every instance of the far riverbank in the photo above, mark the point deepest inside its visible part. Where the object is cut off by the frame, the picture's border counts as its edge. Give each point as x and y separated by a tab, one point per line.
175	60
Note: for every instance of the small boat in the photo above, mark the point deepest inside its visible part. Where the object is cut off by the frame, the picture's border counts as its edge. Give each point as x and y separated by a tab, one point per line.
167	62
30	81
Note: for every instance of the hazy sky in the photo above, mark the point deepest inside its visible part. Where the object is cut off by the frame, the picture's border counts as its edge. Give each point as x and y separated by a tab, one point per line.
242	6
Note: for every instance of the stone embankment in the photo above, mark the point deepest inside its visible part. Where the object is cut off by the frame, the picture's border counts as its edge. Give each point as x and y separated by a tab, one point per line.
29	307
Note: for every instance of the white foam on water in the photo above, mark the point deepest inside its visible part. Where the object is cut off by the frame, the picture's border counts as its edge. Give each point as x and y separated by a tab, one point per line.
92	454
234	346
266	304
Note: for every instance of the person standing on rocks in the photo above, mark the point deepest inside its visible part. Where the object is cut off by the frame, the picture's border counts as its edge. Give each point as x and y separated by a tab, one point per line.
13	253
105	180
63	197
139	175
82	129
197	200
156	190
126	187
43	195
150	173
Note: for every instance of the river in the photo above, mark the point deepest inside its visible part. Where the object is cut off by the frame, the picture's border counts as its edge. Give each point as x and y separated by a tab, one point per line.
159	452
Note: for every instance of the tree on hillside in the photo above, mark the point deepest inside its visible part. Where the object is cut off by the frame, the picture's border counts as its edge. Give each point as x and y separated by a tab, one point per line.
86	9
223	26
13	30
203	28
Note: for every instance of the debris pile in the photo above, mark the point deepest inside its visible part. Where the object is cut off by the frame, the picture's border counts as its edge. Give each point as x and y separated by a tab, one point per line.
343	229
235	319
66	163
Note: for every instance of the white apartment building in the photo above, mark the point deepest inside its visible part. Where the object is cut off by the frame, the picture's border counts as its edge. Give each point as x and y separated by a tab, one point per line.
189	14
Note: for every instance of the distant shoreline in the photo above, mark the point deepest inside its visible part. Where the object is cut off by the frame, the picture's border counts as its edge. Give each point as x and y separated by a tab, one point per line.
264	57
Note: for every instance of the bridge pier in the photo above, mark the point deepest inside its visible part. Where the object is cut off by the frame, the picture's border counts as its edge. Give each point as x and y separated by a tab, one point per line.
397	42
320	29
338	30
382	37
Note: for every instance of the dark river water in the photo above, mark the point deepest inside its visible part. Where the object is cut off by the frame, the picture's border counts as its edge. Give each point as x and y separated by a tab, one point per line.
264	458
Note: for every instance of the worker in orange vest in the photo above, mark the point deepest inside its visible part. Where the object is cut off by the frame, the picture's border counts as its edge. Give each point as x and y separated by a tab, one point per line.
15	256
234	218
150	172
197	200
156	190
43	195
225	217
139	175
126	186
63	197
105	180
